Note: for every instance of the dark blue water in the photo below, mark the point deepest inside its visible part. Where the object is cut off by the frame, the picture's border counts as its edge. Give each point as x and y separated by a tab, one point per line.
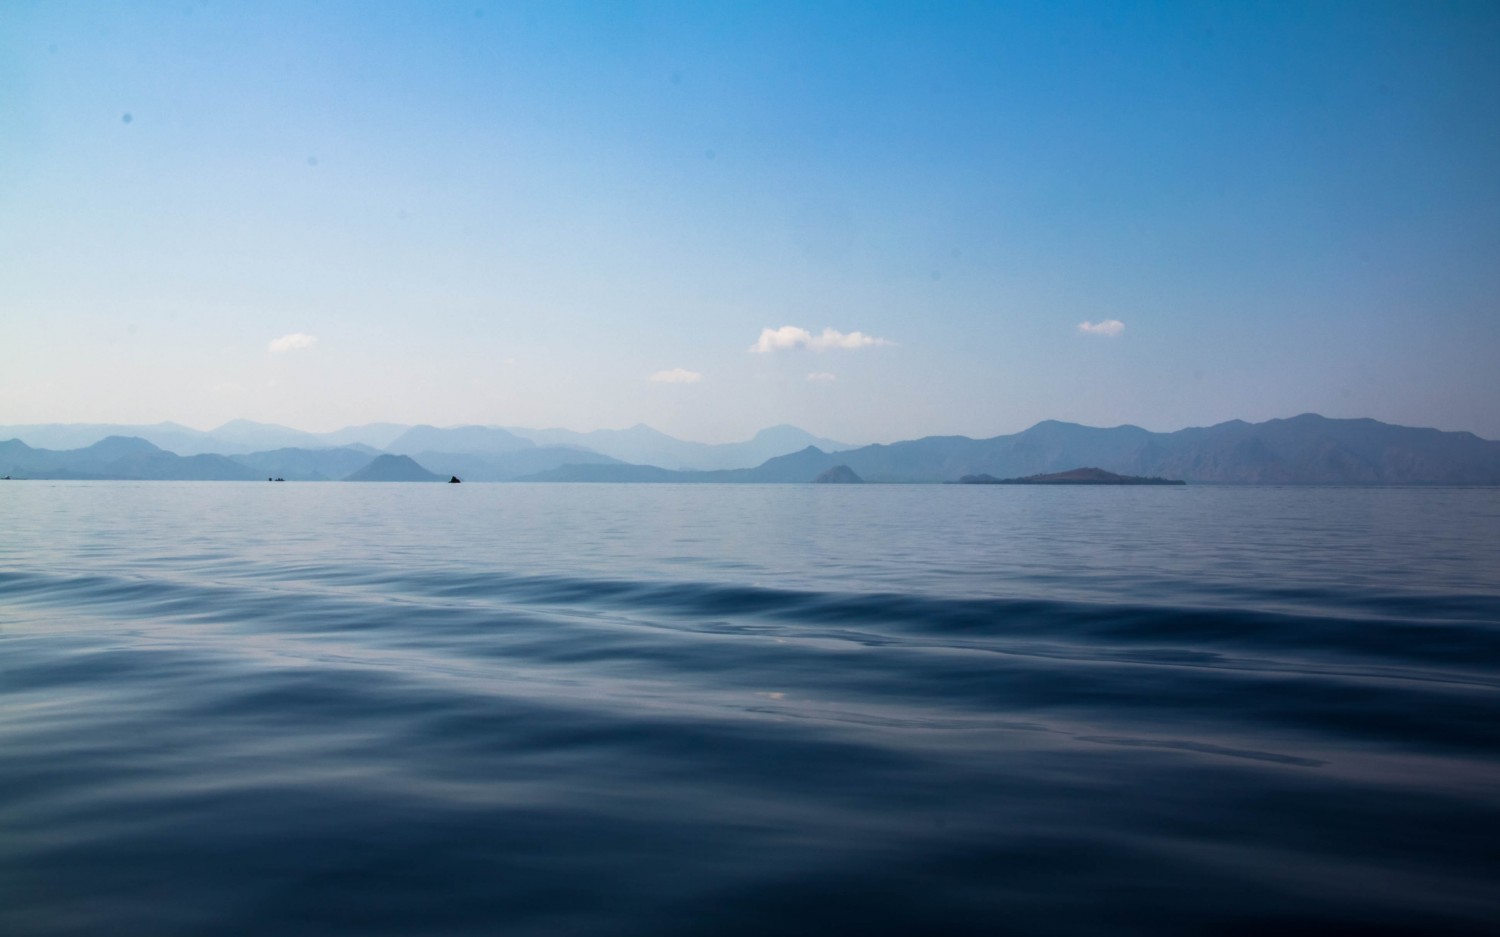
512	709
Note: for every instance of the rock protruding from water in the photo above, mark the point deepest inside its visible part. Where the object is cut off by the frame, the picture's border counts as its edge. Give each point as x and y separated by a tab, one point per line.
454	480
393	468
839	475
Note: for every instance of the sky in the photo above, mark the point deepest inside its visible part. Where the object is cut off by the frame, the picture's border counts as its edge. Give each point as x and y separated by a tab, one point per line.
876	221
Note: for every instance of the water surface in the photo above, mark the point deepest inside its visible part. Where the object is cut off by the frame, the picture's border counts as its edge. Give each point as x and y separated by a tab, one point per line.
598	709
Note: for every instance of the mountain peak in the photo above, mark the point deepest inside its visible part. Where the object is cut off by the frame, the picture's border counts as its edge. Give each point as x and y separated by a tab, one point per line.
113	447
459	439
393	468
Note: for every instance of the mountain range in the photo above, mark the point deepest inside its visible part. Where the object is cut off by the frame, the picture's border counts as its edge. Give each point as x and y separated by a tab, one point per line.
639	444
1303	450
475	453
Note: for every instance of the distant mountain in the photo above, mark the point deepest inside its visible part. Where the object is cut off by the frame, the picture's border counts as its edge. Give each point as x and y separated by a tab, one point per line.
618	472
640	444
169	466
489	440
233	438
803	466
394	468
372	435
1303	450
643	445
173	437
249	436
779	440
117	457
794	467
508	466
306	464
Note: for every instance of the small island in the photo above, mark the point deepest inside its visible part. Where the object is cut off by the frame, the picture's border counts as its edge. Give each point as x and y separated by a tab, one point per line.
838	475
1078	476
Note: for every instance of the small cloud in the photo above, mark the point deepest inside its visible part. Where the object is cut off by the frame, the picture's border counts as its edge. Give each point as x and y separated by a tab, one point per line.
790	336
1106	327
676	376
822	376
293	342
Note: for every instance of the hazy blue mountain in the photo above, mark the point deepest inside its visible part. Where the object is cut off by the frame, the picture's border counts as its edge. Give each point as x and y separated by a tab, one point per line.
233	438
618	472
509	466
19	460
306	464
372	435
117	457
14	453
803	466
489	440
68	436
394	468
794	467
112	448
168	466
1310	449
1303	450
779	440
250	436
247	436
641	444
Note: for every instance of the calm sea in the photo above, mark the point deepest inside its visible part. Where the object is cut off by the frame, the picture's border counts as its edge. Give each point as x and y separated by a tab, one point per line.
659	710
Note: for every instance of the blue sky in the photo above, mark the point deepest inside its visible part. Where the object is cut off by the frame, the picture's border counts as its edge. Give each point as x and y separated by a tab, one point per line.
588	214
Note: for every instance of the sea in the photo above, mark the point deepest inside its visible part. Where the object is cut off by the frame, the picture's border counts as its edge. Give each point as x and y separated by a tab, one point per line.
515	709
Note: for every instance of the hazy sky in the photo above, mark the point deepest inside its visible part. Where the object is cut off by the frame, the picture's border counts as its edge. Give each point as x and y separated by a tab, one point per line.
951	218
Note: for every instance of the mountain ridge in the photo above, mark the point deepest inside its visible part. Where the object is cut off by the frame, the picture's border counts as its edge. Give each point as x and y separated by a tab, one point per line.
1306	449
637	444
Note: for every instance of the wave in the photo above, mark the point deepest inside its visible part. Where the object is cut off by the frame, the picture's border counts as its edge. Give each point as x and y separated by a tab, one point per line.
1457	630
324	748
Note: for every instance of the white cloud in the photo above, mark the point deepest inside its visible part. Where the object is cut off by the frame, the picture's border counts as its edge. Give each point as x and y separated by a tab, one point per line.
822	376
676	376
293	342
1107	327
790	336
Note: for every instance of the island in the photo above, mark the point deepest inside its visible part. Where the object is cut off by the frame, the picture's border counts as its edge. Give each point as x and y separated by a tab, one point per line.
838	475
1078	476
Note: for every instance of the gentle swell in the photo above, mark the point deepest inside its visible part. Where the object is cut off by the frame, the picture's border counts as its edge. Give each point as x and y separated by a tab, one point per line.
215	747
